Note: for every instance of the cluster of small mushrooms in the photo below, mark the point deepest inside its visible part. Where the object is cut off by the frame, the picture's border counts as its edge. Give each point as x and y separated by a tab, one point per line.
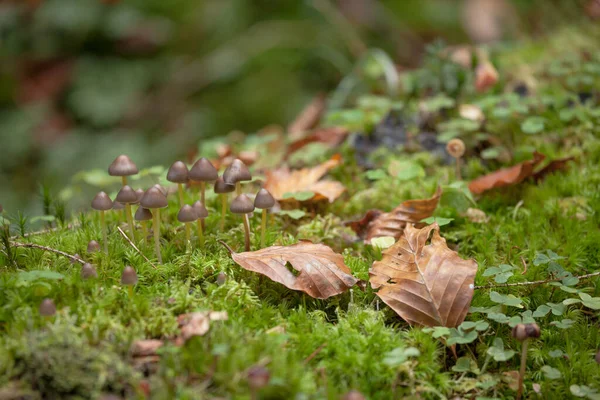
152	200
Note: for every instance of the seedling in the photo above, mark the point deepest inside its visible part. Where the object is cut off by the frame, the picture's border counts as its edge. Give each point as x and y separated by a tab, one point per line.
103	203
186	215
202	213
203	171
236	173
88	271
263	200
122	166
221	188
127	196
456	148
178	173
524	332
143	214
243	205
129	278
154	199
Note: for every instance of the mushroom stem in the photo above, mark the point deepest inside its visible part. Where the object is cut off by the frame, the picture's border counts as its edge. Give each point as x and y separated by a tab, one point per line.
124	180
129	220
187	233
104	234
130	290
263	227
156	228
458	175
238	188
202	192
200	233
144	231
223	211
247	232
522	370
180	190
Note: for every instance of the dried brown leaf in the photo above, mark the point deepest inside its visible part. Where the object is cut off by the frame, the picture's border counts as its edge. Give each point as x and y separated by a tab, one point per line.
319	271
283	180
146	347
426	284
506	176
553	166
378	224
309	117
198	323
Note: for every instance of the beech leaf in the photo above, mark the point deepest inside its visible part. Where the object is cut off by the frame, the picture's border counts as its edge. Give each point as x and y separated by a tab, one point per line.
426	284
506	176
320	272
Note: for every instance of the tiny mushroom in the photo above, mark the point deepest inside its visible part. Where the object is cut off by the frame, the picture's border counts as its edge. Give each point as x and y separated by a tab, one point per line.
143	214
456	148
122	166
524	332
221	188
186	215
93	246
243	205
178	173
237	172
129	278
128	196
203	171
221	278
353	395
258	377
88	271
139	193
47	308
201	213
154	199
102	203
263	200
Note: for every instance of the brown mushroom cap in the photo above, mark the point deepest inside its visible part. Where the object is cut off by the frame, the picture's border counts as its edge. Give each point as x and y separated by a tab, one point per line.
143	214
122	166
178	172
203	171
456	148
47	308
264	199
162	189
129	277
525	331
154	198
236	172
93	246
118	206
126	195
139	193
353	395
102	202
88	271
201	211
241	205
187	214
222	187
258	377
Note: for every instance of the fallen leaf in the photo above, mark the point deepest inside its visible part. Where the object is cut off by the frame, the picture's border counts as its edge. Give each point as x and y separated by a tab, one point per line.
283	180
378	224
309	117
332	136
318	270
197	323
555	165
426	284
486	76
146	347
506	176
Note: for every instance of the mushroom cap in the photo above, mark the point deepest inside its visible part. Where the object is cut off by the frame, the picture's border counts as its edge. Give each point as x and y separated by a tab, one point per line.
236	172
122	166
187	214
525	331
221	278
241	205
88	271
203	171
143	214
127	195
102	202
178	172
353	395
154	198
118	206
258	377
201	211
47	308
129	277
161	188
456	148
222	187
264	199
93	246
76	259
139	193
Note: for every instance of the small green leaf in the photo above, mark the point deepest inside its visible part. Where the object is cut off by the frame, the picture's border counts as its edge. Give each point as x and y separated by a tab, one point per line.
564	324
541	311
406	170
556	353
498	317
300	196
293	214
498	353
400	355
551	373
463	364
533	125
440	220
383	242
376	175
507	300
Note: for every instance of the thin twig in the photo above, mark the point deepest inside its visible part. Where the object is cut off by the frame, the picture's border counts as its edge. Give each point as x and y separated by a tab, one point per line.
593	274
314	353
134	246
50	249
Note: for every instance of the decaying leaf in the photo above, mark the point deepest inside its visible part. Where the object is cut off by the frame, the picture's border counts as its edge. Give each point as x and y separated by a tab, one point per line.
506	176
309	117
332	136
145	347
198	323
426	284
320	272
378	224
555	165
284	181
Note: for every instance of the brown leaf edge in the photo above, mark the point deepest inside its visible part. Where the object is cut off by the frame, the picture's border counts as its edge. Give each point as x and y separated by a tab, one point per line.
506	176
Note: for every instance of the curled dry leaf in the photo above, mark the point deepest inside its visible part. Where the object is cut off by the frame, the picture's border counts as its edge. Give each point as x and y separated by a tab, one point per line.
197	323
379	224
320	272
283	180
426	284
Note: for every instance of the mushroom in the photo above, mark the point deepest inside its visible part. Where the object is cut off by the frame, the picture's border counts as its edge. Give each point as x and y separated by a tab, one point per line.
201	213
456	148
128	197
353	395
129	278
243	205
221	188
221	278
143	214
154	199
237	172
47	308
258	377
203	171
93	246
162	189
139	193
88	271
102	203
523	332
186	215
178	173
263	200
122	166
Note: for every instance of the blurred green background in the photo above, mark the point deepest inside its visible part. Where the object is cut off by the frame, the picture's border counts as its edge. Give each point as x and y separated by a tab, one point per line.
82	81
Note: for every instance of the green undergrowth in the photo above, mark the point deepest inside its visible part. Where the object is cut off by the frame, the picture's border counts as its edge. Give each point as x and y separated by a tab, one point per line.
320	349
